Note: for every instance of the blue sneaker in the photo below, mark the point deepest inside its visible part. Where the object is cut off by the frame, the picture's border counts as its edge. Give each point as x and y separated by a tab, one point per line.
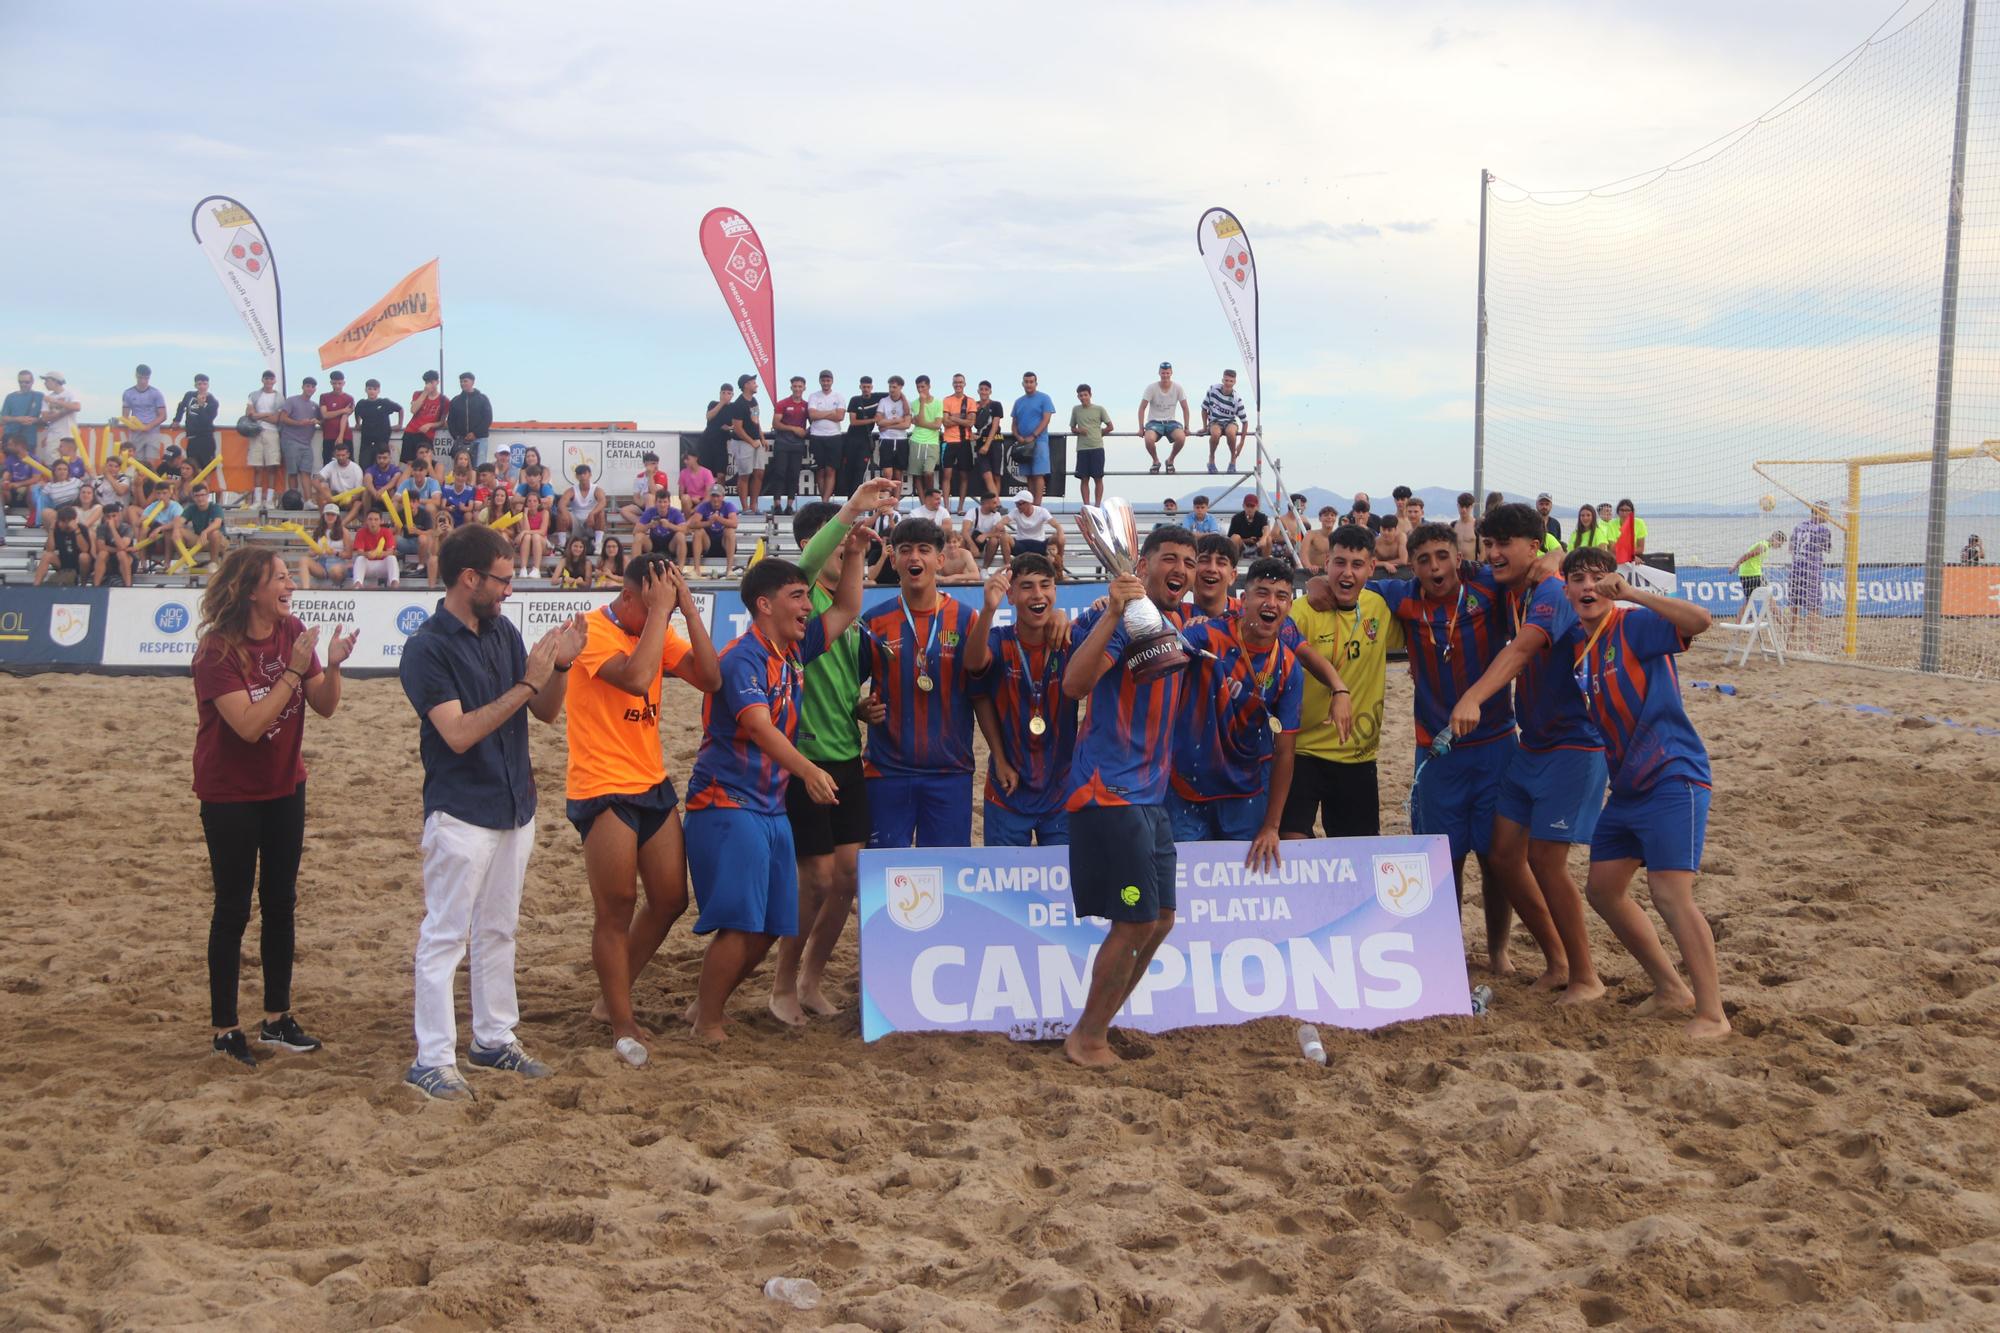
510	1058
439	1082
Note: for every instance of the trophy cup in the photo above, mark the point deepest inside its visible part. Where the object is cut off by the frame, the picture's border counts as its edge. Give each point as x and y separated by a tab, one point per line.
1153	647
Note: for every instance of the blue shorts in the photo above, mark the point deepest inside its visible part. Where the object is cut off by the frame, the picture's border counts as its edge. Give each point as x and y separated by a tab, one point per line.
1455	792
932	810
1164	429
743	873
1225	819
1090	463
1554	794
1040	467
1006	828
1122	862
1663	828
645	813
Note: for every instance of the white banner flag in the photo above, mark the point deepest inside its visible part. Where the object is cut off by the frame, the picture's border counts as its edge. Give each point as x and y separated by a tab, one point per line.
1226	251
241	255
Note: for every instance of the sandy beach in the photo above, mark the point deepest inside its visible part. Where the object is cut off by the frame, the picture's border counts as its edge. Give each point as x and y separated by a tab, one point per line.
1831	1166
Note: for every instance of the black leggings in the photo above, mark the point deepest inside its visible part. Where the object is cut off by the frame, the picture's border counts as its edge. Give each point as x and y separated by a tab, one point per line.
238	833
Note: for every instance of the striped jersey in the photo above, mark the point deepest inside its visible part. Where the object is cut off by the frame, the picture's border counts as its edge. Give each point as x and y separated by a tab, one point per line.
924	731
730	771
1547	703
1124	748
1451	643
1221	409
1024	681
1625	669
1222	734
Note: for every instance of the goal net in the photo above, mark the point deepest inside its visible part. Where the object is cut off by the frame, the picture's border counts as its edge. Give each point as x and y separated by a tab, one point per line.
1752	332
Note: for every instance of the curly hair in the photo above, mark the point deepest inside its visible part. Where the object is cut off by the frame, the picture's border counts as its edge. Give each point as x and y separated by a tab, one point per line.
225	602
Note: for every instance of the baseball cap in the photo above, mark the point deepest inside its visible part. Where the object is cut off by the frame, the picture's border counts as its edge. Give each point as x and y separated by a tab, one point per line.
329	509
53	375
1166	365
1545	496
1024	497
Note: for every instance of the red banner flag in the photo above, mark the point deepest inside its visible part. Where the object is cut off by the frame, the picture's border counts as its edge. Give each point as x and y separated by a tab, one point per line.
1626	549
743	270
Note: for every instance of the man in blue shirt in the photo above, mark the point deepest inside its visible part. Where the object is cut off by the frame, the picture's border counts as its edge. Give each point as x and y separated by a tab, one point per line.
1033	411
467	673
21	414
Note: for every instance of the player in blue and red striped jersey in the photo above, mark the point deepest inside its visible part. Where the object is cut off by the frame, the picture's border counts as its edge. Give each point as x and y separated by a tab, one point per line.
1554	785
1121	852
1028	722
1454	624
1214	576
739	841
919	756
1623	660
1233	736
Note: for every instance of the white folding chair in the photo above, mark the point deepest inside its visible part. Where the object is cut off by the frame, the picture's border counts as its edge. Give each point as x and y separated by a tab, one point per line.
1762	630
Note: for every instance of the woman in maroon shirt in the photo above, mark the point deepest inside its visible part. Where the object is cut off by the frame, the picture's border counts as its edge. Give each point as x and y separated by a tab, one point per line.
255	669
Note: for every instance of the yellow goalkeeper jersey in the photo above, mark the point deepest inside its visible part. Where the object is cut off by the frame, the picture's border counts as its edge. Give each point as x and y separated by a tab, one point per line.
1357	642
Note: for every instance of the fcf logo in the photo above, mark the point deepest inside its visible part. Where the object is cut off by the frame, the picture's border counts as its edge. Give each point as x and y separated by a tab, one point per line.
916	897
1403	883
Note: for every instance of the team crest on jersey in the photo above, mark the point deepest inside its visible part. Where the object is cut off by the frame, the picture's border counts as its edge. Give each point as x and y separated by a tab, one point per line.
949	638
1371	629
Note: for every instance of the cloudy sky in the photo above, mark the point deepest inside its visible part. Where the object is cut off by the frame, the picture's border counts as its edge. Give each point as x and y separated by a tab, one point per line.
941	188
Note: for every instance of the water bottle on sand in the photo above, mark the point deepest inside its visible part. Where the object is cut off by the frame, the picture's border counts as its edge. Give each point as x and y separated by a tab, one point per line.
1482	999
801	1293
1309	1044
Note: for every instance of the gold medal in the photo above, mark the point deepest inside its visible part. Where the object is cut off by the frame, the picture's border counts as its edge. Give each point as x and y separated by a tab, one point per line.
1036	726
925	683
1277	727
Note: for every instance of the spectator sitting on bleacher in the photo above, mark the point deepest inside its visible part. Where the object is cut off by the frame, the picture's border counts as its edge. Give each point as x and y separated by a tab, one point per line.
460	491
111	545
959	565
378	483
68	479
89	510
1201	522
1317	548
18	480
1250	528
341	476
66	550
573	569
611	565
532	535
425	501
505	473
1391	543
992	534
204	524
662	526
1293	521
488	497
325	554
580	511
535	484
375	553
157	521
715	520
694	479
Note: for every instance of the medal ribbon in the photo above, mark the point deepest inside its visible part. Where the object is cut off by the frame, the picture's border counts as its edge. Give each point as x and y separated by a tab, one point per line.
937	616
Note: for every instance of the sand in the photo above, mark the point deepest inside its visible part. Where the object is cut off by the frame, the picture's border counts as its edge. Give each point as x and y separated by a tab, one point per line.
1832	1165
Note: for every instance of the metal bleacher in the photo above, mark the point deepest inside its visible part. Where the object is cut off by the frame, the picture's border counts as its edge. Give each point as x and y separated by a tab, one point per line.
17	557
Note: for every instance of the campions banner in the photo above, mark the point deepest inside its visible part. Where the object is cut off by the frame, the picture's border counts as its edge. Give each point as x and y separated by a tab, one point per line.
240	254
411	306
742	270
1225	250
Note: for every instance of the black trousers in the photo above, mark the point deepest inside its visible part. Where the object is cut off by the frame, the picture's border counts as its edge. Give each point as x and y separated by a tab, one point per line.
241	834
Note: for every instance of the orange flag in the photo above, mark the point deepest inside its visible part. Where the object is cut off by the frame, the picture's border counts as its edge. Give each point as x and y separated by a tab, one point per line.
411	306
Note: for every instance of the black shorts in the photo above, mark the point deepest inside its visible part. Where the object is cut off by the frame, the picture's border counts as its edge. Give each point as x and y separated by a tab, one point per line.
645	813
825	450
1090	463
818	829
411	440
957	455
1029	546
896	454
1121	861
1751	582
712	454
1344	797
201	450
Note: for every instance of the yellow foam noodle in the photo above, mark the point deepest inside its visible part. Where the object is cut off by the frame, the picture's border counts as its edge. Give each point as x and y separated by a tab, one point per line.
757	554
34	463
187	558
139	467
410	512
395	515
129	422
348	494
151	509
202	475
506	521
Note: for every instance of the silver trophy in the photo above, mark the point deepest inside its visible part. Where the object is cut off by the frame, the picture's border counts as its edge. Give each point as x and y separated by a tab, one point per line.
1153	647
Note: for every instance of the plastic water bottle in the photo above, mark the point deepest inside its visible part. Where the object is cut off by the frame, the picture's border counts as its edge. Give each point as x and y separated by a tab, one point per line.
801	1293
1309	1044
1482	999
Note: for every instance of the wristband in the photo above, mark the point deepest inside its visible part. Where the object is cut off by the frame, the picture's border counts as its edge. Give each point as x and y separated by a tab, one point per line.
1342	691
530	684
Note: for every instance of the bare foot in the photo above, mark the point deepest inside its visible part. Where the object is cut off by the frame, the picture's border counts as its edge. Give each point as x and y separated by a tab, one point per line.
599	1012
814	999
1582	992
712	1036
1095	1055
1500	964
1706	1029
1665	1002
785	1008
1553	979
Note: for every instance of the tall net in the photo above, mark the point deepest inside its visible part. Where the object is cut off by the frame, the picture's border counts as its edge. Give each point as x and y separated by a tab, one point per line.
1753	331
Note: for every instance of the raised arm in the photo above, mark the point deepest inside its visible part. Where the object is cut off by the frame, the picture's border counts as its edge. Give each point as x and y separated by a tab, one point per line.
1089	661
